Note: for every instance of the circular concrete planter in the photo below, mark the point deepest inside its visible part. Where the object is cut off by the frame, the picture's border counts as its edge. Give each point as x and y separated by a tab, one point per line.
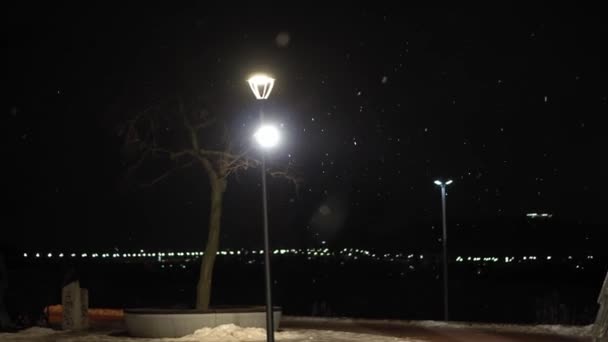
178	323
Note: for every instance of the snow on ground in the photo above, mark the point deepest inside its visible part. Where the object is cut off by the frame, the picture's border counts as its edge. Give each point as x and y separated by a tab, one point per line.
29	334
562	330
222	333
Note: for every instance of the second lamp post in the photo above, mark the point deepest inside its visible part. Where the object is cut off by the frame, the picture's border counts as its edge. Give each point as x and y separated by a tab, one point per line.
445	248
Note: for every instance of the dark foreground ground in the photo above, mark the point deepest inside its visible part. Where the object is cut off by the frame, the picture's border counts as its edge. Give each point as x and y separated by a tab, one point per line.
438	334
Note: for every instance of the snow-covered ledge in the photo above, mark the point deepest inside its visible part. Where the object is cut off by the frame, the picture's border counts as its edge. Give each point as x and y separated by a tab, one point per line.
178	323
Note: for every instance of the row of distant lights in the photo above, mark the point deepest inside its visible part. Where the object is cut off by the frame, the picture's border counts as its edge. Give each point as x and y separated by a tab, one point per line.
509	259
350	252
143	254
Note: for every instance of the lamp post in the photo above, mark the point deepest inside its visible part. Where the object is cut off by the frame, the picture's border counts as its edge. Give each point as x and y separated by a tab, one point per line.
445	248
267	136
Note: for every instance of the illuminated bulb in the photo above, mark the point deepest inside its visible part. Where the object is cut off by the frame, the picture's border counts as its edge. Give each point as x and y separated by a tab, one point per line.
267	136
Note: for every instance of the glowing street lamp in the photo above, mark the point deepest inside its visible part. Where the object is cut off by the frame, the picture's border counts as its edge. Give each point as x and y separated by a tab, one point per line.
445	248
267	136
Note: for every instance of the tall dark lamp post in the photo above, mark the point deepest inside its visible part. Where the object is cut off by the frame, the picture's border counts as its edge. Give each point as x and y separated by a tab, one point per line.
267	136
443	185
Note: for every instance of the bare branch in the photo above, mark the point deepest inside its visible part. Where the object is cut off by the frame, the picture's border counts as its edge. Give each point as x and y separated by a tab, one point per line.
167	174
204	124
143	135
172	155
295	180
133	168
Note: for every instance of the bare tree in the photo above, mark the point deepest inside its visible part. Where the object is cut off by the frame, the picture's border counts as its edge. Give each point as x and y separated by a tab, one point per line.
189	136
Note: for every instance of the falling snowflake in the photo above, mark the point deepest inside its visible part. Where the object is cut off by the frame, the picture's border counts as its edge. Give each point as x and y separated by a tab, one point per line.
282	39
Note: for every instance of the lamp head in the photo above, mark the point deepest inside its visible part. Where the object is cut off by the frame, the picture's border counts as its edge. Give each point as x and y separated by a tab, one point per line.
261	85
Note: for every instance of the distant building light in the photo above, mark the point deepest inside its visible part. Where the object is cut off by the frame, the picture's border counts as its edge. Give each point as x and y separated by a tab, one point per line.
539	215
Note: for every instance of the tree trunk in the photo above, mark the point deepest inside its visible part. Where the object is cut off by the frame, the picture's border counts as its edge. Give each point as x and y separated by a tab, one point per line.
203	289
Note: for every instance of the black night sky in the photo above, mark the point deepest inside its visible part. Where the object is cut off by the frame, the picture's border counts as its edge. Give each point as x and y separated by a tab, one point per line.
375	103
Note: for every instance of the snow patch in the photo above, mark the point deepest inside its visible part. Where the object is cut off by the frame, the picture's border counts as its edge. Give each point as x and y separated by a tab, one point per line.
30	334
234	333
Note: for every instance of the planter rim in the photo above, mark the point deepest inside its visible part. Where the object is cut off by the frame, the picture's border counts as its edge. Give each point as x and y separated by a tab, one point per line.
216	309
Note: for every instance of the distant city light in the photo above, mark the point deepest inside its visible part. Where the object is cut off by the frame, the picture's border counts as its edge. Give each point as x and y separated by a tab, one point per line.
539	215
